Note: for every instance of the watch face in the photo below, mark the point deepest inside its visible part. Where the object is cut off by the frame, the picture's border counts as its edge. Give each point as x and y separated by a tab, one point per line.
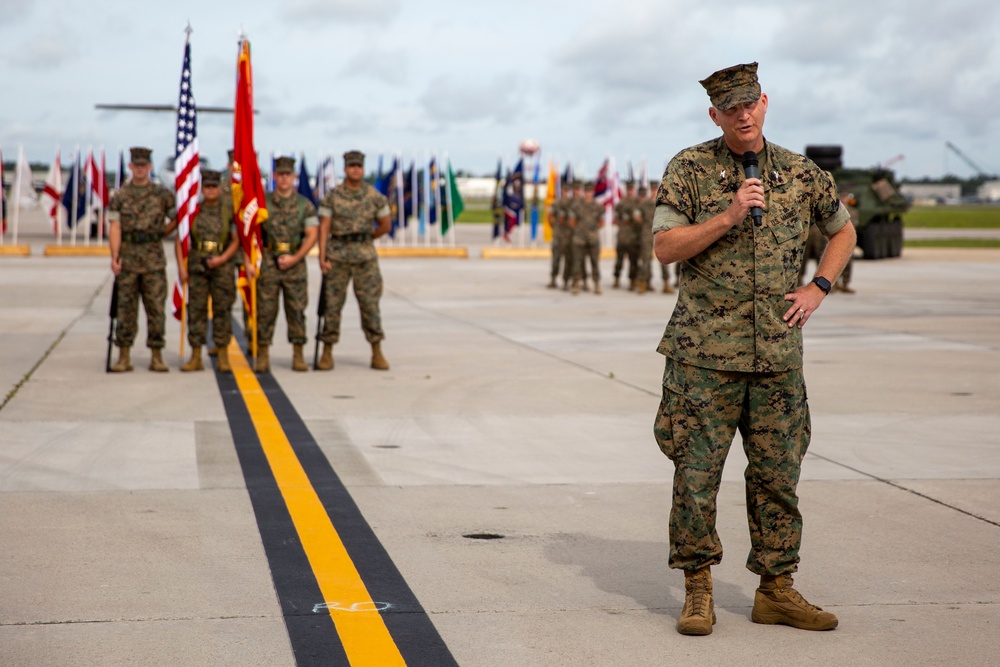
822	283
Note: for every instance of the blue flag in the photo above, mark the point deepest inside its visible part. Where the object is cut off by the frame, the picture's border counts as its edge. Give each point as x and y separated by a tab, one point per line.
513	197
497	205
77	185
304	188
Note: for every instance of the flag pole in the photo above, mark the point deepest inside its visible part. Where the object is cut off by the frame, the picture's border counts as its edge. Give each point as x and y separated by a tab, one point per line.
16	193
184	310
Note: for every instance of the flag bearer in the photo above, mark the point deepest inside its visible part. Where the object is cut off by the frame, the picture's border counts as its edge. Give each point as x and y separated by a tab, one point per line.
210	272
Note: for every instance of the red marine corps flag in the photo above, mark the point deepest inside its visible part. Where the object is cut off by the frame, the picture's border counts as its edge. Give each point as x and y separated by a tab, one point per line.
249	204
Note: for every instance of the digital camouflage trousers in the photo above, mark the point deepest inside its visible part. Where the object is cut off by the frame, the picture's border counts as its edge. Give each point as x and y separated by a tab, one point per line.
699	415
367	289
152	287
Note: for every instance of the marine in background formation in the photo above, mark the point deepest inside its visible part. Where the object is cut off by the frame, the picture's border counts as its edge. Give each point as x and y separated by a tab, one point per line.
288	234
628	244
210	273
348	216
586	219
562	239
140	214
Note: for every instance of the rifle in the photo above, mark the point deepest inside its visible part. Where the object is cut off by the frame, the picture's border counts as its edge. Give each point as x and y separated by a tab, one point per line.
320	310
113	314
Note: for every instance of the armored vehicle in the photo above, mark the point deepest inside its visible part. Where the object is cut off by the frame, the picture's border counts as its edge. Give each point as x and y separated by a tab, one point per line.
874	195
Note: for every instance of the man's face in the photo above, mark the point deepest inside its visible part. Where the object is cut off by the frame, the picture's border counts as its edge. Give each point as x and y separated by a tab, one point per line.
284	181
140	172
354	172
211	193
743	125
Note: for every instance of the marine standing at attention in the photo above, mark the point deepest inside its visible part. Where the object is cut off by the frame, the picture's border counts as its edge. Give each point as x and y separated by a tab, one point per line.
348	214
210	273
138	215
289	233
733	345
586	219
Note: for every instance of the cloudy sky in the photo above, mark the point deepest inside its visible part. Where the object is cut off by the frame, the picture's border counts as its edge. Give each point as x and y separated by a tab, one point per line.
586	78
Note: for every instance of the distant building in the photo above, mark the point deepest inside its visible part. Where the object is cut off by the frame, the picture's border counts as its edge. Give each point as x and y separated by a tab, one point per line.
989	191
931	193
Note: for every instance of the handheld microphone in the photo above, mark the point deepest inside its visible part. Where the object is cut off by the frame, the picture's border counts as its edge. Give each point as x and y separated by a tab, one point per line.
751	168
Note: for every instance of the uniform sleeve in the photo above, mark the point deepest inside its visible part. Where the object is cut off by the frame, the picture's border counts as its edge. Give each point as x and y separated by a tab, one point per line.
311	219
382	208
829	214
668	217
169	203
326	205
675	188
115	208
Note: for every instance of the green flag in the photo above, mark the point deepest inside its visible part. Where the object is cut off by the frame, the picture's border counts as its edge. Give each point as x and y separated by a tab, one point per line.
454	202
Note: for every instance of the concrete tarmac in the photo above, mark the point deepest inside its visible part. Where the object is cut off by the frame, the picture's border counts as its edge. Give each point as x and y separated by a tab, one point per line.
128	537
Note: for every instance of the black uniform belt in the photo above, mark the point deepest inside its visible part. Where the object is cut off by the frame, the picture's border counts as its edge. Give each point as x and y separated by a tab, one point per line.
210	247
351	238
141	237
281	248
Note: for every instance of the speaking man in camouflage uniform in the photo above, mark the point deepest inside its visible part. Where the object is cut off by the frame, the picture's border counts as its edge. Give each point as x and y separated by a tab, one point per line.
733	345
138	215
627	245
288	234
562	236
209	272
347	252
586	219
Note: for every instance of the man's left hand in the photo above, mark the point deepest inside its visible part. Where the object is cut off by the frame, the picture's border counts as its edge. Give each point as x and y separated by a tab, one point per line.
805	300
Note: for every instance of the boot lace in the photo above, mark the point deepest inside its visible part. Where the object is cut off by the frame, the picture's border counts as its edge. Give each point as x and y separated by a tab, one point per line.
795	597
698	596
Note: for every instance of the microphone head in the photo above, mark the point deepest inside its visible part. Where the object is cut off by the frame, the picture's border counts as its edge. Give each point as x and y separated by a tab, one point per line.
750	158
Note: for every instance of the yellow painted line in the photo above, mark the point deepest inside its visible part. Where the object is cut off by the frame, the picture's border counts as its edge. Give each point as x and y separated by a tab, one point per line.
459	252
515	253
15	250
77	251
363	633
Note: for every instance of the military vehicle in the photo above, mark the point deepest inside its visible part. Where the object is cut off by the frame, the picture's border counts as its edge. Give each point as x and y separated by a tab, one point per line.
873	193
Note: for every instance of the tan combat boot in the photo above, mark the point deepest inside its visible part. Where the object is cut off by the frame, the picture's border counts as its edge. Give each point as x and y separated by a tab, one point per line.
325	362
597	288
378	361
213	351
298	362
222	360
777	602
156	361
641	286
195	362
698	615
667	289
263	359
124	363
576	286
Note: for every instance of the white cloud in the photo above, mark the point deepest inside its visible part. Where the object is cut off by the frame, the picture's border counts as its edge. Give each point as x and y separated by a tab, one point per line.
308	13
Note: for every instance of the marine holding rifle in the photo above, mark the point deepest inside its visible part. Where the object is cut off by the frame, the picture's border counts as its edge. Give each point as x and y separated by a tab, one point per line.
138	215
348	214
289	233
210	272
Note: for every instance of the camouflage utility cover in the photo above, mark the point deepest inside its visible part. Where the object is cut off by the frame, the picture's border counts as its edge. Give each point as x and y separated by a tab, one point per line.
142	208
352	212
729	312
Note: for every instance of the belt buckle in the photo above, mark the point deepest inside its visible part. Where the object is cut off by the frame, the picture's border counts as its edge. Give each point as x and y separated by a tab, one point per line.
283	247
210	246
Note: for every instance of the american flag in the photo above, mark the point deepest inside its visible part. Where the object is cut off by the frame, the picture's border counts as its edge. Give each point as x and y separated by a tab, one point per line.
187	179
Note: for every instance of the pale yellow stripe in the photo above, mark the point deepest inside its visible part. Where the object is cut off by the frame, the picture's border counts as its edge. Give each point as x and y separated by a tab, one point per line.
362	631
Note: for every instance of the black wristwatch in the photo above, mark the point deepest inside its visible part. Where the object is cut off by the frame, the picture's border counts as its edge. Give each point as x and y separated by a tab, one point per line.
822	283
